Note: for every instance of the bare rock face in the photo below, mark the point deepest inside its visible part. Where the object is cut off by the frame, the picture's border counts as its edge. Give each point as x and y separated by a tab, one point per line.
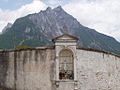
38	29
9	25
51	21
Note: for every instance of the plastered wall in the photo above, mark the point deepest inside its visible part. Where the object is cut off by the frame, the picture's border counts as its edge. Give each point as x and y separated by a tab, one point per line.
27	70
98	71
34	69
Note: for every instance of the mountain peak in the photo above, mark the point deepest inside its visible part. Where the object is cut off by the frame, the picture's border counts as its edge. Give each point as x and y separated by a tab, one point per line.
59	8
9	25
48	9
39	28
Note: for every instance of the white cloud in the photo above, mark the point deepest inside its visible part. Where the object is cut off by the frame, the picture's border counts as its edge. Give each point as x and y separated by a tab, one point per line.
10	16
55	3
102	15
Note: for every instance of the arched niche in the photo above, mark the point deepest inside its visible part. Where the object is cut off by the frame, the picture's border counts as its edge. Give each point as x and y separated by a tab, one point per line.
66	64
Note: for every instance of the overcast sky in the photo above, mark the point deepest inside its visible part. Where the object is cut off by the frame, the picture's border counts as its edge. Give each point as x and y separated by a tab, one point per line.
102	15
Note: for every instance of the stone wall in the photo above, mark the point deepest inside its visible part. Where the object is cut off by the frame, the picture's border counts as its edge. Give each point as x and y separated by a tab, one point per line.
98	71
27	69
4	62
34	69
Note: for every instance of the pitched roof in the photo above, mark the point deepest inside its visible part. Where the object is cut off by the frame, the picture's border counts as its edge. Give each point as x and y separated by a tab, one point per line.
65	35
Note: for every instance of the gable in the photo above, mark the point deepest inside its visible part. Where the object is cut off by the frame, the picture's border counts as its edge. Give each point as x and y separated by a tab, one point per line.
66	37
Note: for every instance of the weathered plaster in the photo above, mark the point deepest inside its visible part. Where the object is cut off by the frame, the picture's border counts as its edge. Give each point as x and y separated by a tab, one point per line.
35	70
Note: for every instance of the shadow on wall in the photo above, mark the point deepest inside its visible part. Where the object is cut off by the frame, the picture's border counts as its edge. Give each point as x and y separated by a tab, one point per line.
4	88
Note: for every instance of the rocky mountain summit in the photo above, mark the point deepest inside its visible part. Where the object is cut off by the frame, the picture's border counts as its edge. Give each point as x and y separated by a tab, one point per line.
9	25
39	28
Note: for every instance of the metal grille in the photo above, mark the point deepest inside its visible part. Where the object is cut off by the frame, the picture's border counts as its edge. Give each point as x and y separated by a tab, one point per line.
66	64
